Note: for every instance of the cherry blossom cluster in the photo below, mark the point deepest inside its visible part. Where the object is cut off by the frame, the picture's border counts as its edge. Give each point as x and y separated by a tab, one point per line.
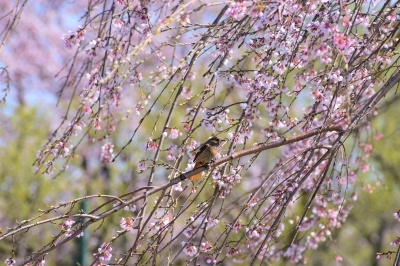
227	182
67	227
107	153
162	223
394	243
103	255
215	119
73	38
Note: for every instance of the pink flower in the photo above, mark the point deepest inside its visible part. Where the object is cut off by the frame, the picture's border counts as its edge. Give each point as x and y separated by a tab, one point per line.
391	17
189	231
118	23
208	125
255	10
317	95
189	249
131	207
151	145
277	123
254	233
70	39
232	252
205	246
73	38
191	145
294	253
87	109
70	232
10	262
253	201
96	123
127	224
346	20
170	156
104	252
395	242
210	260
185	20
80	33
162	223
237	10
325	27
279	68
111	127
342	41
178	187
212	222
186	93
136	77
237	226
174	133
107	153
68	223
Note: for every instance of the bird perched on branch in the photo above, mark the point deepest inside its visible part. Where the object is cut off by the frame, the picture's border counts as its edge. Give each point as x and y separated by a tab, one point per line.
206	153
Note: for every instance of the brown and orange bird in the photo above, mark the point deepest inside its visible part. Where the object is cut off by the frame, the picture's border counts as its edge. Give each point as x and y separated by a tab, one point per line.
206	153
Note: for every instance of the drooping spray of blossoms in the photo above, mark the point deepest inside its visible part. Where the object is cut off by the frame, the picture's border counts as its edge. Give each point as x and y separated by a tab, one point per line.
170	75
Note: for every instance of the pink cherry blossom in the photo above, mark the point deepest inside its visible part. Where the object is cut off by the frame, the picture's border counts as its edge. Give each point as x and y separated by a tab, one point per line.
174	133
189	249
127	223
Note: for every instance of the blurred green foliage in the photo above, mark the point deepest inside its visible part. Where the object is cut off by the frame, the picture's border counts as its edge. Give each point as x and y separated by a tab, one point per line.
22	191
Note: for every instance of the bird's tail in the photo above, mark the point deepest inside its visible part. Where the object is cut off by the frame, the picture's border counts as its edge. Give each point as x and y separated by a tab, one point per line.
198	175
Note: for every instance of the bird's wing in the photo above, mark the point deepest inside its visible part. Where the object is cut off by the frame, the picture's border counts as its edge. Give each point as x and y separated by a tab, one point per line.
201	149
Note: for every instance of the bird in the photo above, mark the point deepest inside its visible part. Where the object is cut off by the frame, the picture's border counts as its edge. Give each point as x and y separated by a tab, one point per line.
206	153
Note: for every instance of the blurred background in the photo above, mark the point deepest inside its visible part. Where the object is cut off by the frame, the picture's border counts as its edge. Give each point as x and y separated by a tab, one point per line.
32	63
